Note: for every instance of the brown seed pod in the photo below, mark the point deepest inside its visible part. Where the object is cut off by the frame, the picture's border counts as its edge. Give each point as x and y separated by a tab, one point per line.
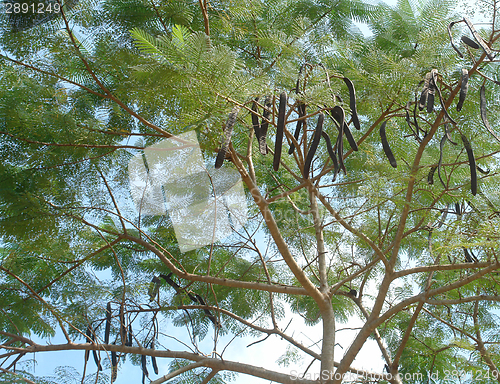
280	129
471	43
314	145
430	175
264	126
123	327
350	138
144	368
338	115
386	147
451	39
301	111
441	147
255	119
228	131
470	257
89	338
114	366
483	107
153	359
479	39
472	165
352	103
108	323
425	92
130	336
94	353
331	152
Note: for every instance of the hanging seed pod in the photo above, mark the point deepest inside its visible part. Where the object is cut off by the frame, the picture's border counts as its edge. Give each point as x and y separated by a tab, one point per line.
264	126
123	327
352	103
211	317
483	107
484	172
228	131
448	134
464	86
280	129
350	138
114	366
386	147
425	92
430	175
301	111
331	152
451	40
144	368
471	43
314	145
94	353
479	39
154	288
108	323
338	115
431	92
472	165
441	147
89	338
255	119
153	359
130	336
410	123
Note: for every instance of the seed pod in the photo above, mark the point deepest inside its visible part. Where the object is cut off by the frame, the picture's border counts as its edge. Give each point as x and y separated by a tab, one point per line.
154	288
350	138
144	368
448	134
108	323
451	39
130	336
331	152
123	327
386	147
430	94
471	43
301	111
479	39
338	114
352	103
211	317
314	145
228	131
264	126
425	92
89	338
441	147
463	88
280	128
482	106
470	257
255	119
430	175
484	172
472	165
114	366
153	359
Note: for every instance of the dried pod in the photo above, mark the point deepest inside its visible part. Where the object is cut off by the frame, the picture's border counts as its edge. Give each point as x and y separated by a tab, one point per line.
154	288
440	162
482	106
386	147
472	165
123	327
425	91
144	368
352	103
430	175
228	131
108	323
153	359
469	256
89	338
130	336
255	119
338	115
301	111
211	317
264	125
464	86
331	152
280	129
114	366
94	353
484	172
350	138
471	43
314	145
451	39
479	39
